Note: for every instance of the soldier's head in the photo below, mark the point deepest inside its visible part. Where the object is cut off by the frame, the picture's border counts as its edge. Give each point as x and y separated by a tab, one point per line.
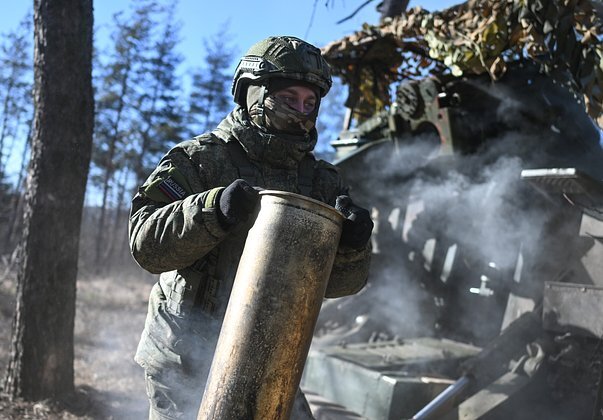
280	82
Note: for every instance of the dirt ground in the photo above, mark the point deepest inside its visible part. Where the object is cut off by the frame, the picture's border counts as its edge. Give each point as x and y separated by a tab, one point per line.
109	384
109	319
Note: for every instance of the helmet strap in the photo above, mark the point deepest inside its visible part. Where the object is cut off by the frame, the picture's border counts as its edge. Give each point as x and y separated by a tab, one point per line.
256	95
261	107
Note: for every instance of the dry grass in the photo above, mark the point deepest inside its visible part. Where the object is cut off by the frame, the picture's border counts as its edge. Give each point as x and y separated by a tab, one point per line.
109	319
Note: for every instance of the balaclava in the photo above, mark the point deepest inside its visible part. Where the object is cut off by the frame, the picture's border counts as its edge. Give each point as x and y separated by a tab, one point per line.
273	115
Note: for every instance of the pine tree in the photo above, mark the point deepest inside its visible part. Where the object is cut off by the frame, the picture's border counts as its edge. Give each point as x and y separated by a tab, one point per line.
17	197
158	121
210	98
116	104
7	195
16	113
41	357
15	85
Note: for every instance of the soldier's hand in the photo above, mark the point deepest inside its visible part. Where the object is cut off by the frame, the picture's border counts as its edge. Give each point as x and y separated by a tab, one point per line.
357	226
237	201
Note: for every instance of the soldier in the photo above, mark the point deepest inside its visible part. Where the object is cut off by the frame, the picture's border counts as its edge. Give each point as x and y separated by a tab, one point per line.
189	220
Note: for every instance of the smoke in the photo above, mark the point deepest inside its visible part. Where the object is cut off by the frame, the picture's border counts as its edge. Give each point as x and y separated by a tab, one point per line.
457	235
487	210
442	223
109	318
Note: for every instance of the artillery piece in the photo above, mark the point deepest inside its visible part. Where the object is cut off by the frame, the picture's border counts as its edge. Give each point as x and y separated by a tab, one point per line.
488	204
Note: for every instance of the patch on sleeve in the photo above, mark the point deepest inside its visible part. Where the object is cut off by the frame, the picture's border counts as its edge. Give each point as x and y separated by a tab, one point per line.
172	189
168	185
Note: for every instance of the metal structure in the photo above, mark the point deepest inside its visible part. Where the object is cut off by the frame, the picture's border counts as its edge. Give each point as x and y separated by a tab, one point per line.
488	204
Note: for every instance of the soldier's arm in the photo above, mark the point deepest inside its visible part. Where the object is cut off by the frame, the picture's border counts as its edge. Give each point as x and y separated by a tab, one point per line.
173	219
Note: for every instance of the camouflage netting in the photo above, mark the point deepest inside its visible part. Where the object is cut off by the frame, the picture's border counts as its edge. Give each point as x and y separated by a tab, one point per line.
472	38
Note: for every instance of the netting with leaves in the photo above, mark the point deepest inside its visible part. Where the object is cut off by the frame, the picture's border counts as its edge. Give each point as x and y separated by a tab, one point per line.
479	36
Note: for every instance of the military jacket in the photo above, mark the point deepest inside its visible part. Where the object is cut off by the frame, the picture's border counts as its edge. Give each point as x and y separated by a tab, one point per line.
174	231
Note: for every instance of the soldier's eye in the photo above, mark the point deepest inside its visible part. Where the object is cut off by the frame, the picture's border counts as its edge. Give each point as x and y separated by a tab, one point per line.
309	106
286	99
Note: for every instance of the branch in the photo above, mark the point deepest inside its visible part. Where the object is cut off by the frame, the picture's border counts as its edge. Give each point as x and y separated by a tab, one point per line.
355	11
311	20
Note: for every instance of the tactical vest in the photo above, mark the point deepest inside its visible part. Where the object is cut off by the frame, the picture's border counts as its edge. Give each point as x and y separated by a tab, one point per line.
199	289
248	171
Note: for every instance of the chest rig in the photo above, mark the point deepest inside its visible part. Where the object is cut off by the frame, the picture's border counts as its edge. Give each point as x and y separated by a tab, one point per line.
250	173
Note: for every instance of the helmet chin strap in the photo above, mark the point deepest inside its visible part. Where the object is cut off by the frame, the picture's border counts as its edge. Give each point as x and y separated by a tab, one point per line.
256	96
261	107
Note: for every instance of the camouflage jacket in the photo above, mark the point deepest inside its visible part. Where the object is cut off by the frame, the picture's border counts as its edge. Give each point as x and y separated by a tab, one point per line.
174	231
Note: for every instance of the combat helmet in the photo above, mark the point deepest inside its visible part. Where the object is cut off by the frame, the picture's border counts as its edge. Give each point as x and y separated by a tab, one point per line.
284	57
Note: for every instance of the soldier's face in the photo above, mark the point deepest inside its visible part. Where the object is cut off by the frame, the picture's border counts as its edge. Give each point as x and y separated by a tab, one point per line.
300	98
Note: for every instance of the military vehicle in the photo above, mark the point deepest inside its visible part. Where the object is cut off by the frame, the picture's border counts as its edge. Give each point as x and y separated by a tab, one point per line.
485	298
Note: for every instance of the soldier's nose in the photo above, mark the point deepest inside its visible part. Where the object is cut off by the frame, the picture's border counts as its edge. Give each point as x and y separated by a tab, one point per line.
298	106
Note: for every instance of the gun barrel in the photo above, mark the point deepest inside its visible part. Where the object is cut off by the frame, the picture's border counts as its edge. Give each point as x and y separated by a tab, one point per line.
444	401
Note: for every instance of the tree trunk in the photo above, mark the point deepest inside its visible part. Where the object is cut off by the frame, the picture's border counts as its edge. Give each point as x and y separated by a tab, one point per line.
41	359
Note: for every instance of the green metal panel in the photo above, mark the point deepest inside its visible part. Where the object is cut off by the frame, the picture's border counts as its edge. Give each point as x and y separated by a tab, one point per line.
384	380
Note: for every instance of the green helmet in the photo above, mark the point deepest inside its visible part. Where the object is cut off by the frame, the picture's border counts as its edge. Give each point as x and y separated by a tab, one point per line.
281	56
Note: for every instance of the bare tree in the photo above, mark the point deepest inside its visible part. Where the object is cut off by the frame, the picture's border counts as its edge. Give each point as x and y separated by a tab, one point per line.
41	359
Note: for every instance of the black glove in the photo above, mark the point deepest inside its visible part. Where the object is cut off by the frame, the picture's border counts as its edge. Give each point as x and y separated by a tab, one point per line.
236	203
357	226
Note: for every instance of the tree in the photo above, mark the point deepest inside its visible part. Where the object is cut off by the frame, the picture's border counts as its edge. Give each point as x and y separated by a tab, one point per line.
158	121
15	73
7	196
210	97
116	104
15	119
16	202
41	358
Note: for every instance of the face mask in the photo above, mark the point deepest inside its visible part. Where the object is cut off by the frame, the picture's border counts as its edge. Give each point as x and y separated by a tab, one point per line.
275	116
281	117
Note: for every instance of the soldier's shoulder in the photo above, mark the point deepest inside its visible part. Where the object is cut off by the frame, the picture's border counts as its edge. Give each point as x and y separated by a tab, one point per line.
327	169
206	146
320	163
209	140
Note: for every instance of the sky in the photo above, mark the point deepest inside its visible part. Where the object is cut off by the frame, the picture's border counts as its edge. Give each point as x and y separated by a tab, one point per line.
312	20
247	23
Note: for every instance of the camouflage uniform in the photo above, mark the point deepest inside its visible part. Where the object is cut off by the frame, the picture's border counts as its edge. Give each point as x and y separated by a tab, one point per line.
174	231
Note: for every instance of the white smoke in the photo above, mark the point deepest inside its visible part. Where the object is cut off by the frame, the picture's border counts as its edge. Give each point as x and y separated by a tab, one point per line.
475	206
